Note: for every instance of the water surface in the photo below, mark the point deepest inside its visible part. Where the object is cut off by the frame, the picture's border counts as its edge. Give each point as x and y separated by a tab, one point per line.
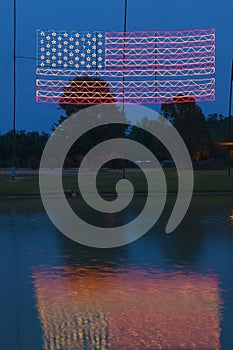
161	292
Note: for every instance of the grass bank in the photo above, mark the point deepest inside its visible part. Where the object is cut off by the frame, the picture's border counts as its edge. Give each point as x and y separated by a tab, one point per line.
204	181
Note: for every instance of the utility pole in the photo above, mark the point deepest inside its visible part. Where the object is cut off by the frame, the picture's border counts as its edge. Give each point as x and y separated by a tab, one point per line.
229	123
14	92
123	72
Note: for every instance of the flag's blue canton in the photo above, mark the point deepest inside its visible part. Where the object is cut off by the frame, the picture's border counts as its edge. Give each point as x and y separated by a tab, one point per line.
71	50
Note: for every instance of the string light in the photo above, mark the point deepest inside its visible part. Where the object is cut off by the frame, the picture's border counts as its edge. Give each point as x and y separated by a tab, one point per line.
157	65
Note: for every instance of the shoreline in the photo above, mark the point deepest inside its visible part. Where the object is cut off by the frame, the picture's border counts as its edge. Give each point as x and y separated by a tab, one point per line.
137	194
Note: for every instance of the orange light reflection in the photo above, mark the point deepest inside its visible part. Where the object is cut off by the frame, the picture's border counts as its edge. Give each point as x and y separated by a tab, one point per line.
82	308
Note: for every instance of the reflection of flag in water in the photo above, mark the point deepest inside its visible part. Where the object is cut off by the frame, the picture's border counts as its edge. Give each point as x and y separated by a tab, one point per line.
157	66
84	308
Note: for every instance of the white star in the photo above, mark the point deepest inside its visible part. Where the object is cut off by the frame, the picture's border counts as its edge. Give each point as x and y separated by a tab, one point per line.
48	53
83	39
83	54
65	35
71	54
88	35
42	33
77	66
94	39
82	62
42	41
54	34
88	58
99	58
89	43
65	42
48	37
94	55
59	62
88	66
77	43
42	57
100	43
71	62
94	63
53	49
47	61
71	47
94	47
100	51
65	58
99	65
53	64
65	65
48	45
100	35
42	49
59	54
77	35
71	38
54	42
59	38
42	64
65	50
88	51
77	50
76	58
53	58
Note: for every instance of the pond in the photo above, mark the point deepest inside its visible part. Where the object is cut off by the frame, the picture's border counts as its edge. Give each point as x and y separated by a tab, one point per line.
164	291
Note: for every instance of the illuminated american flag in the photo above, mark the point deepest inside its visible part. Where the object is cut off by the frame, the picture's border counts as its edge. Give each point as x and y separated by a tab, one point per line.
145	67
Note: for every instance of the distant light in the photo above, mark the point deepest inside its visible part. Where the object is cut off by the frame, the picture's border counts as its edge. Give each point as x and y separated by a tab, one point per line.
225	143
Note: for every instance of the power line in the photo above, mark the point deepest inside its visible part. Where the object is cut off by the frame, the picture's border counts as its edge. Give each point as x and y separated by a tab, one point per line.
26	57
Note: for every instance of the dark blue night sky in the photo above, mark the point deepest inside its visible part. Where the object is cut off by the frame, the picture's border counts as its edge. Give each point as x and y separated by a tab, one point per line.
106	15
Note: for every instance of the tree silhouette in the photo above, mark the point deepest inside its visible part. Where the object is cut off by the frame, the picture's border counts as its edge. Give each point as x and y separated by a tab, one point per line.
189	120
83	92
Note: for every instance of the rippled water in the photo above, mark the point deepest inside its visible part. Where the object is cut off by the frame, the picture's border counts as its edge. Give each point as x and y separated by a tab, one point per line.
161	292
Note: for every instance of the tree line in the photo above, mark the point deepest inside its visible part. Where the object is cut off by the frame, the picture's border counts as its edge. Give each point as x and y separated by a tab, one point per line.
201	134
